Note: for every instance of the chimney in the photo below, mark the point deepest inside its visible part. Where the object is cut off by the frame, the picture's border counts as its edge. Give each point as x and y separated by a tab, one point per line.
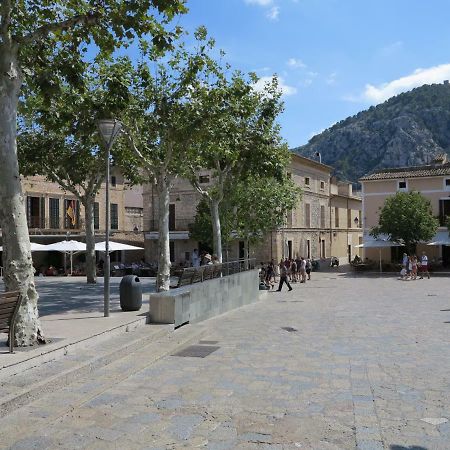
440	158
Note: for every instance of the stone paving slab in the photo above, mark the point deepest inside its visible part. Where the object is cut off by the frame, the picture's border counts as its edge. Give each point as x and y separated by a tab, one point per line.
72	312
369	361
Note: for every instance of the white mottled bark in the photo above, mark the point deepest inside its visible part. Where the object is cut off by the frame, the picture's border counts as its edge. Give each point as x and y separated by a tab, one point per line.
91	273
217	233
163	277
18	265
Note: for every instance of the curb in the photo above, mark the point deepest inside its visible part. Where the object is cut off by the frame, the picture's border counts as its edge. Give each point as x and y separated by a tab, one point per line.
52	384
64	348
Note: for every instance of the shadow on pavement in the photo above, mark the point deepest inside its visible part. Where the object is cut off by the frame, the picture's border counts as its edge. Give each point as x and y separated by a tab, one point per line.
75	296
412	447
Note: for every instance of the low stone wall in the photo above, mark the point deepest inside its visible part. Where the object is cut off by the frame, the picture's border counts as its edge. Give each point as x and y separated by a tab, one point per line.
201	301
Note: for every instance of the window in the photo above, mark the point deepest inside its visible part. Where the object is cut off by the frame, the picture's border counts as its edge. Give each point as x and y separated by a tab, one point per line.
336	217
349	218
322	216
96	216
54	212
172	217
113	181
322	185
307	215
36	212
172	251
202	179
402	186
444	211
114	216
447	184
307	181
322	249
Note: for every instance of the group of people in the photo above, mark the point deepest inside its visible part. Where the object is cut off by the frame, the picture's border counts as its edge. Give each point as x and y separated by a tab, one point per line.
289	270
203	259
412	267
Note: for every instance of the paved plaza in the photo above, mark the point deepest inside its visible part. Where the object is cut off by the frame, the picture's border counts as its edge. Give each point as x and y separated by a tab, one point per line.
338	363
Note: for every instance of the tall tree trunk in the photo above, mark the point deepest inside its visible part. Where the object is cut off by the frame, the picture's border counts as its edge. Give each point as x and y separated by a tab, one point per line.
91	274
163	277
217	233
18	270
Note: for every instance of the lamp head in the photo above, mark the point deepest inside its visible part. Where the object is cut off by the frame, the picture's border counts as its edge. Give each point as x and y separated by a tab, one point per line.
109	130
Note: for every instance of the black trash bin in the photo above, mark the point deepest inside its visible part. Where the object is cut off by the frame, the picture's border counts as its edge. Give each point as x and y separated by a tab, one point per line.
130	293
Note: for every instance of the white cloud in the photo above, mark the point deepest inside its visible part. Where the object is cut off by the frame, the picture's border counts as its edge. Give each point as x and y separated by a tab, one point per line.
331	79
378	94
273	13
296	63
259	2
285	89
391	49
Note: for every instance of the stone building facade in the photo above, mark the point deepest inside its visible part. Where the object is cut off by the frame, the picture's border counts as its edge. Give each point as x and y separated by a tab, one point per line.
54	214
311	229
432	181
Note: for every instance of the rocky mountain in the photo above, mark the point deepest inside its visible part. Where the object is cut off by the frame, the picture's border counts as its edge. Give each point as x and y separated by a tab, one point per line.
406	130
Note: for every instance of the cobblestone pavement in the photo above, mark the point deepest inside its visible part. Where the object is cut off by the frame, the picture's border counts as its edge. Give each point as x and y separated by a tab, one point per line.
339	363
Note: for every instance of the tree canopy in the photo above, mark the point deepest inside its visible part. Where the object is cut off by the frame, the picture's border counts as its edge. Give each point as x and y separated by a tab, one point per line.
407	217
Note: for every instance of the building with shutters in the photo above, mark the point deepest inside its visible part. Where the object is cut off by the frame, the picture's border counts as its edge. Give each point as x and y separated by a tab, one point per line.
431	180
326	221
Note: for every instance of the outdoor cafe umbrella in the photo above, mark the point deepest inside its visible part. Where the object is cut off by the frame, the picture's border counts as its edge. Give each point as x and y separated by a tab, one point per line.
70	247
380	244
114	246
34	247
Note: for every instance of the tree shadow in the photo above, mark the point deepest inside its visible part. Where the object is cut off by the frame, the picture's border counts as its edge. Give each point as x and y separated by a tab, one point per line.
63	295
411	447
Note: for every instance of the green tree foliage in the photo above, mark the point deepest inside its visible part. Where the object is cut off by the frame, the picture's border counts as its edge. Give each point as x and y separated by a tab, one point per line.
240	138
249	211
59	139
163	122
43	46
407	217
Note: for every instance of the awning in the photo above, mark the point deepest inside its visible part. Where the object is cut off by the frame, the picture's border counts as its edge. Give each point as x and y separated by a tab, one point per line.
440	238
173	235
115	246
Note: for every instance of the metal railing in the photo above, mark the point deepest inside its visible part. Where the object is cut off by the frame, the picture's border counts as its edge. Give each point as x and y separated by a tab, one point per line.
191	275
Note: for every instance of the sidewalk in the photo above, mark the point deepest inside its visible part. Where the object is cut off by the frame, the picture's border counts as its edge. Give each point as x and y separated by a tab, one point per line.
71	314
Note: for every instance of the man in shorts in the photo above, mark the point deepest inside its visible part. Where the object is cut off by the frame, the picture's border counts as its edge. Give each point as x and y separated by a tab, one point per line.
424	266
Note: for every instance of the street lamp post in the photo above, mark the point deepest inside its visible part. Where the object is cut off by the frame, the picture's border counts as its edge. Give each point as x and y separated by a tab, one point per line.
109	130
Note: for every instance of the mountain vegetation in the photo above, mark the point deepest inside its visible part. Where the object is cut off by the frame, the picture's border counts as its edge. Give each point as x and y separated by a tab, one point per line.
408	129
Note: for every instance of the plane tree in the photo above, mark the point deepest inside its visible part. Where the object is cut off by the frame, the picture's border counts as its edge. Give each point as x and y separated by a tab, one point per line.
251	208
162	124
240	139
59	138
40	43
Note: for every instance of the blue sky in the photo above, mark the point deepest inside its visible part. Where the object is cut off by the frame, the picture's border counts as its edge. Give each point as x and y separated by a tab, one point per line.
334	57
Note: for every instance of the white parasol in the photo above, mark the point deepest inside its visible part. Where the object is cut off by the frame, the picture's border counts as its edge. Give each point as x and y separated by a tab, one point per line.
70	247
380	244
115	246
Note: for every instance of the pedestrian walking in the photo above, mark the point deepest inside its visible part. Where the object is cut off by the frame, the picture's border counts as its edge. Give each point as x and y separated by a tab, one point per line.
283	276
302	270
308	268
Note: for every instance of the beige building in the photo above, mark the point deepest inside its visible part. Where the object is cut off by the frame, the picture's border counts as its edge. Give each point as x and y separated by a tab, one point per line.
325	223
432	181
54	214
